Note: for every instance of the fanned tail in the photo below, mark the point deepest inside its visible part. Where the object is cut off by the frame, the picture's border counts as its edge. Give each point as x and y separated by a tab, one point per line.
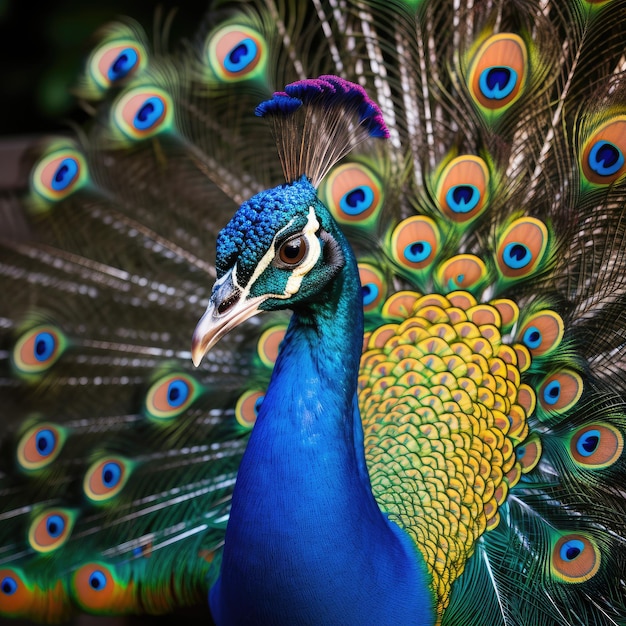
496	206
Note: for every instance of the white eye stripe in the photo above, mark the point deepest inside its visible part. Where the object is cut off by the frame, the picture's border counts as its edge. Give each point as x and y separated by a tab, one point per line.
268	257
309	261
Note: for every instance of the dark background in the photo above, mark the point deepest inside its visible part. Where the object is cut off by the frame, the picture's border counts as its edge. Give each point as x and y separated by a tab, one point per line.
43	46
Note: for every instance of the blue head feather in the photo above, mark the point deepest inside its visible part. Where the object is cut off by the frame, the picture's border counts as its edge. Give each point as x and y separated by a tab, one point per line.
251	230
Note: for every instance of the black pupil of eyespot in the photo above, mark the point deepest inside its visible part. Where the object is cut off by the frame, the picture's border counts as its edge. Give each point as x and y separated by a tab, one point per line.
145	111
462	193
61	173
355	197
120	62
240	51
498	77
518	251
608	155
591	443
572	553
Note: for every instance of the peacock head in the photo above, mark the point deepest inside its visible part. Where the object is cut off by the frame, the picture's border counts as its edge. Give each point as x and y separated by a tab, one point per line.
281	248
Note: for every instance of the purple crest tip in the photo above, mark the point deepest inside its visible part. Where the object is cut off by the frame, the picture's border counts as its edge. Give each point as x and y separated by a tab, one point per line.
328	91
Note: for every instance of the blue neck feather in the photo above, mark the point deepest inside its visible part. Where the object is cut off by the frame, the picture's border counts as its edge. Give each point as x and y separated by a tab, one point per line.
306	542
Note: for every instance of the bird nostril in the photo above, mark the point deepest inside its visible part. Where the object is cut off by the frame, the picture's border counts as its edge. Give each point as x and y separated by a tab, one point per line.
226	304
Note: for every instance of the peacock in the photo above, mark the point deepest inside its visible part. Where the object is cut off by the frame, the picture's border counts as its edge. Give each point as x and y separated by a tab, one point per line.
318	317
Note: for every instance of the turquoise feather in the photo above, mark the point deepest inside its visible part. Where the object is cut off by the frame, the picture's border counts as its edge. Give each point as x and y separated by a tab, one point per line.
436	434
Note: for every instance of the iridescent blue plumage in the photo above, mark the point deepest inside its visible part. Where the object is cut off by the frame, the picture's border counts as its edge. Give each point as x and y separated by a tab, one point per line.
292	554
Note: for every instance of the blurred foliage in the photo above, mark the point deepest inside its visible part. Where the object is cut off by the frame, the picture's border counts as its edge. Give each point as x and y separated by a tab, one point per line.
43	47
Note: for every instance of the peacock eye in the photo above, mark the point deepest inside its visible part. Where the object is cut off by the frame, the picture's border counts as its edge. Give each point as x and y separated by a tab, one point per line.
292	252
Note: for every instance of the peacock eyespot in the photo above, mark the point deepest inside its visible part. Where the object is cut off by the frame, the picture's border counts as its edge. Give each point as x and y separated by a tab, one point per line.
528	454
463	188
96	588
50	530
373	286
463	271
495	85
236	53
497	82
417	251
247	407
177	393
65	174
111	474
369	293
575	558
353	193
269	343
114	61
588	444
45	442
596	446
8	585
125	62
59	173
38	349
39	446
517	255
293	251
542	332
149	113
170	396
415	242
143	112
571	549
605	158
97	580
241	56
55	525
532	337
463	198
105	479
522	247
17	596
559	392
357	201
552	392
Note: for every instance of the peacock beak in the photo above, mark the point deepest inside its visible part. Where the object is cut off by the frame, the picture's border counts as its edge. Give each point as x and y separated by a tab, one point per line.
228	307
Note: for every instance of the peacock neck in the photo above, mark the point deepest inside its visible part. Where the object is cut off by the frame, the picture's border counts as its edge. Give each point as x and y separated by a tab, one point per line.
306	542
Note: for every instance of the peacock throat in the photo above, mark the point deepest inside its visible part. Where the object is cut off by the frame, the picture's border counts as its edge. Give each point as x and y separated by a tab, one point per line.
303	507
